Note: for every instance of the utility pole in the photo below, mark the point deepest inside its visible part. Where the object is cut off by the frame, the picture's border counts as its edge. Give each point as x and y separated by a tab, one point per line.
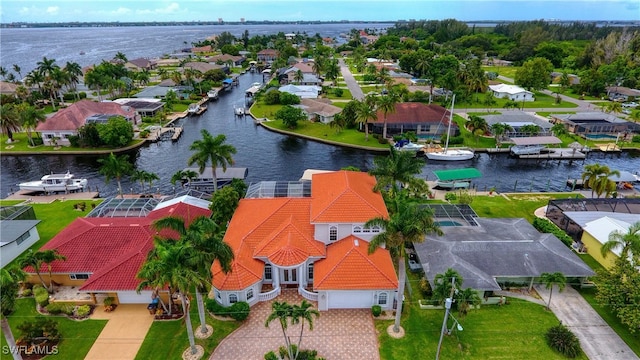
447	307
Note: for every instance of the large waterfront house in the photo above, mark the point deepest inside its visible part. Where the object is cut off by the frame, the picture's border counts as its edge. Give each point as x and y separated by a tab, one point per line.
267	55
590	124
511	92
65	122
427	120
315	243
621	93
319	110
302	91
140	64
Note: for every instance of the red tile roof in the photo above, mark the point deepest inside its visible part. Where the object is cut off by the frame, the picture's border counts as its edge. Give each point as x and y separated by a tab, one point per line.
288	245
412	113
349	266
75	116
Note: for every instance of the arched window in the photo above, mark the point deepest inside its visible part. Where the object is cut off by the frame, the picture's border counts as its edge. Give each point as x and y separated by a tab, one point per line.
382	298
375	229
233	298
333	233
357	229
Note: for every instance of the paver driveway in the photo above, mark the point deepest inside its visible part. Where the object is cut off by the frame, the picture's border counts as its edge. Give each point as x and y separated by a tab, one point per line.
336	335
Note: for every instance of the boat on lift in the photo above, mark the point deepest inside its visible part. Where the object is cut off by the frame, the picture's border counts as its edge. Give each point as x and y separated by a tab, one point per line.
55	183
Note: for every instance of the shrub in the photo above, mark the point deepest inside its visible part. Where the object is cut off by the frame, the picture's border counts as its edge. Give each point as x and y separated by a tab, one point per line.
635	139
59	308
27	292
41	296
83	310
338	92
465	198
41	327
376	310
288	99
563	340
215	308
425	287
74	140
82	94
108	301
270	356
144	134
239	311
546	226
272	97
450	196
382	140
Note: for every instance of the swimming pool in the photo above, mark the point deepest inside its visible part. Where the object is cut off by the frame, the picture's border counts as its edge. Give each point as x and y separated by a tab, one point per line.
600	137
448	223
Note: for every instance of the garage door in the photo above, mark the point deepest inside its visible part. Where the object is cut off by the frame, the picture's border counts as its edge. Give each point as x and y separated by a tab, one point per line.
132	297
350	299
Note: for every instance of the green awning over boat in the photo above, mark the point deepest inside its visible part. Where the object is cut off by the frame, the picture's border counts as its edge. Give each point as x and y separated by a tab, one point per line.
457	174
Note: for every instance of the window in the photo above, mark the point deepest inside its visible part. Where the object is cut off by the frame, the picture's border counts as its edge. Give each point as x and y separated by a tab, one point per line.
310	272
376	229
333	233
267	272
366	230
249	294
78	276
382	298
218	296
357	229
233	298
22	238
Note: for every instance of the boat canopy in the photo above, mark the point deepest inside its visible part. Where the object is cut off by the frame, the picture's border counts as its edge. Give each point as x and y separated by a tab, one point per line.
457	174
221	174
536	140
227	81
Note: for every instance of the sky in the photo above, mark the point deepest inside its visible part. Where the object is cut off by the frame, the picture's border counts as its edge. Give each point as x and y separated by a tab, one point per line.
42	11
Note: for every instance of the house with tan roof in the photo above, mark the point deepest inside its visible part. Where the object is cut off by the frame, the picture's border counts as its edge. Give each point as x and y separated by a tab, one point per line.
430	120
319	109
267	55
226	58
7	88
316	243
66	122
140	64
203	67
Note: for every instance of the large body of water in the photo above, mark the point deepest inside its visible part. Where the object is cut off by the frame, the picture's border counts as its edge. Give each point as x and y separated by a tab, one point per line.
267	155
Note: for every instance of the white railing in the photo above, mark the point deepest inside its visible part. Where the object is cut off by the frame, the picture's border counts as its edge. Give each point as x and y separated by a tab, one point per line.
308	294
269	295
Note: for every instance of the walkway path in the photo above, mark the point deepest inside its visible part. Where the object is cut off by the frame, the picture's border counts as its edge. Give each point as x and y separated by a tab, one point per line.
597	339
122	337
336	335
352	84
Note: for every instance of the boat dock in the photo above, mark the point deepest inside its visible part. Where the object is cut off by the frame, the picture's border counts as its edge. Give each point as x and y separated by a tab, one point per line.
556	154
158	134
42	198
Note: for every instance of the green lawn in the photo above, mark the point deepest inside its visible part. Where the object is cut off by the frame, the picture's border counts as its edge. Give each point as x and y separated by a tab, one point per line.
260	110
541	101
77	336
346	95
511	331
168	339
508	71
325	132
499	207
21	143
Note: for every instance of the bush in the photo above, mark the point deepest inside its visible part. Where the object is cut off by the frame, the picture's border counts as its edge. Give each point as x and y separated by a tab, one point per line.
288	99
82	94
376	310
41	327
272	97
83	310
239	311
425	288
270	356
144	134
563	340
37	141
59	308
450	196
635	139
382	140
338	92
546	226
41	296
215	308
74	140
27	292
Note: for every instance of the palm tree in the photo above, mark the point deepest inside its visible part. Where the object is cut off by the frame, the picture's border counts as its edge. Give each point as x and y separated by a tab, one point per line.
10	278
48	257
500	129
36	78
628	243
115	167
407	223
282	311
399	167
559	130
365	111
298	76
386	104
121	57
204	235
612	107
213	150
530	129
9	120
33	259
442	284
74	72
30	117
18	70
477	125
550	279
635	116
150	178
303	312
596	177
141	176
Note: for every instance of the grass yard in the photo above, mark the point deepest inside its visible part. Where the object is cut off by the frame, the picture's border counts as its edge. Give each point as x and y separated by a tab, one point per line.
77	336
260	110
21	143
512	331
325	132
168	339
508	71
346	95
500	207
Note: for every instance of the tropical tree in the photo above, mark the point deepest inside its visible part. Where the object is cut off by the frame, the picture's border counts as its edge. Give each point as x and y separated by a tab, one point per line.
302	313
612	107
180	175
365	112
35	260
500	129
115	167
443	283
628	243
30	117
386	104
48	257
551	279
399	167
10	278
36	78
9	120
141	176
214	150
596	177
298	76
74	72
477	125
18	70
407	223
559	129
282	311
530	129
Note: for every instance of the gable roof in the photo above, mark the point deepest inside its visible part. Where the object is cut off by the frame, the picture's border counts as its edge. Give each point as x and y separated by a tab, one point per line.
319	106
508	89
414	112
345	196
497	248
349	266
75	116
601	228
203	67
142	63
289	245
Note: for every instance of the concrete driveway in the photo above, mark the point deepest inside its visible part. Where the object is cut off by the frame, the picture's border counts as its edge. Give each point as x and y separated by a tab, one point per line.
336	335
597	339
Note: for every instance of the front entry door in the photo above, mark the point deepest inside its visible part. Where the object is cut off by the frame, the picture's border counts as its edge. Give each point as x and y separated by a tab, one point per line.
289	276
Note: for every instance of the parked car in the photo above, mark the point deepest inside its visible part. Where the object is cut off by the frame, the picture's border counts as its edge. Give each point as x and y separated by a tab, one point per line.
632	104
626	111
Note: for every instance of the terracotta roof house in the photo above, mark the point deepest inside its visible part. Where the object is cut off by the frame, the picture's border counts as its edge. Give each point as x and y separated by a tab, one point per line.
104	254
317	244
203	67
267	55
319	109
226	58
140	64
201	49
67	121
430	120
512	92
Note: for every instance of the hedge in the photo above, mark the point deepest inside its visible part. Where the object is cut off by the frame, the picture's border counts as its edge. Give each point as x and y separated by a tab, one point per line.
546	226
238	311
41	296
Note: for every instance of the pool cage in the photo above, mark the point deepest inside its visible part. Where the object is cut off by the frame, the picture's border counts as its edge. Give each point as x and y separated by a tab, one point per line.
453	215
273	189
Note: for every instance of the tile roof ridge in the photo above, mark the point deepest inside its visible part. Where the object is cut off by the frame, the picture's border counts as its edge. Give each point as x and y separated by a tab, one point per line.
119	260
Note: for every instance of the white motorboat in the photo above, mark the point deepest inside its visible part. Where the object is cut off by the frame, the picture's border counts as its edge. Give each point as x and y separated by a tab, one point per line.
239	111
452	185
55	183
637	175
533	149
212	94
404	145
193	109
447	154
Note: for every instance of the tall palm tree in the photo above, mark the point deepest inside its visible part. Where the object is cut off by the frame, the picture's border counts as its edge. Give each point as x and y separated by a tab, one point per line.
302	313
120	57
628	243
214	150
365	113
399	167
115	167
500	129
10	278
282	311
204	235
550	279
478	126
36	78
596	176
33	259
18	70
298	76
30	117
407	223
74	72
141	176
9	120
48	257
386	104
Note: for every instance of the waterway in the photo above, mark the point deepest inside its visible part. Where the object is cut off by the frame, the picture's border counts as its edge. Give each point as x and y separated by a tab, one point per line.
267	155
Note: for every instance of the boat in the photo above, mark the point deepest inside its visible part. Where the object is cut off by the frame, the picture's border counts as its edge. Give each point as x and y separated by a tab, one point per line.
201	109
193	109
406	145
55	183
637	175
450	154
204	180
456	178
82	53
212	94
239	111
532	149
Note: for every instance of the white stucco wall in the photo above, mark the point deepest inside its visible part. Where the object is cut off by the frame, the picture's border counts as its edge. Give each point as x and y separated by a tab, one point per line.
12	250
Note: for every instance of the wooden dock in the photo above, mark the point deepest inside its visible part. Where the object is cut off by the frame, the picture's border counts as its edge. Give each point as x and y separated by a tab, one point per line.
609	148
557	154
42	198
156	135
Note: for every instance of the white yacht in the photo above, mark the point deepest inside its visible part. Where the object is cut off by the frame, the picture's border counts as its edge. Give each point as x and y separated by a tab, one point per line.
55	183
447	154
